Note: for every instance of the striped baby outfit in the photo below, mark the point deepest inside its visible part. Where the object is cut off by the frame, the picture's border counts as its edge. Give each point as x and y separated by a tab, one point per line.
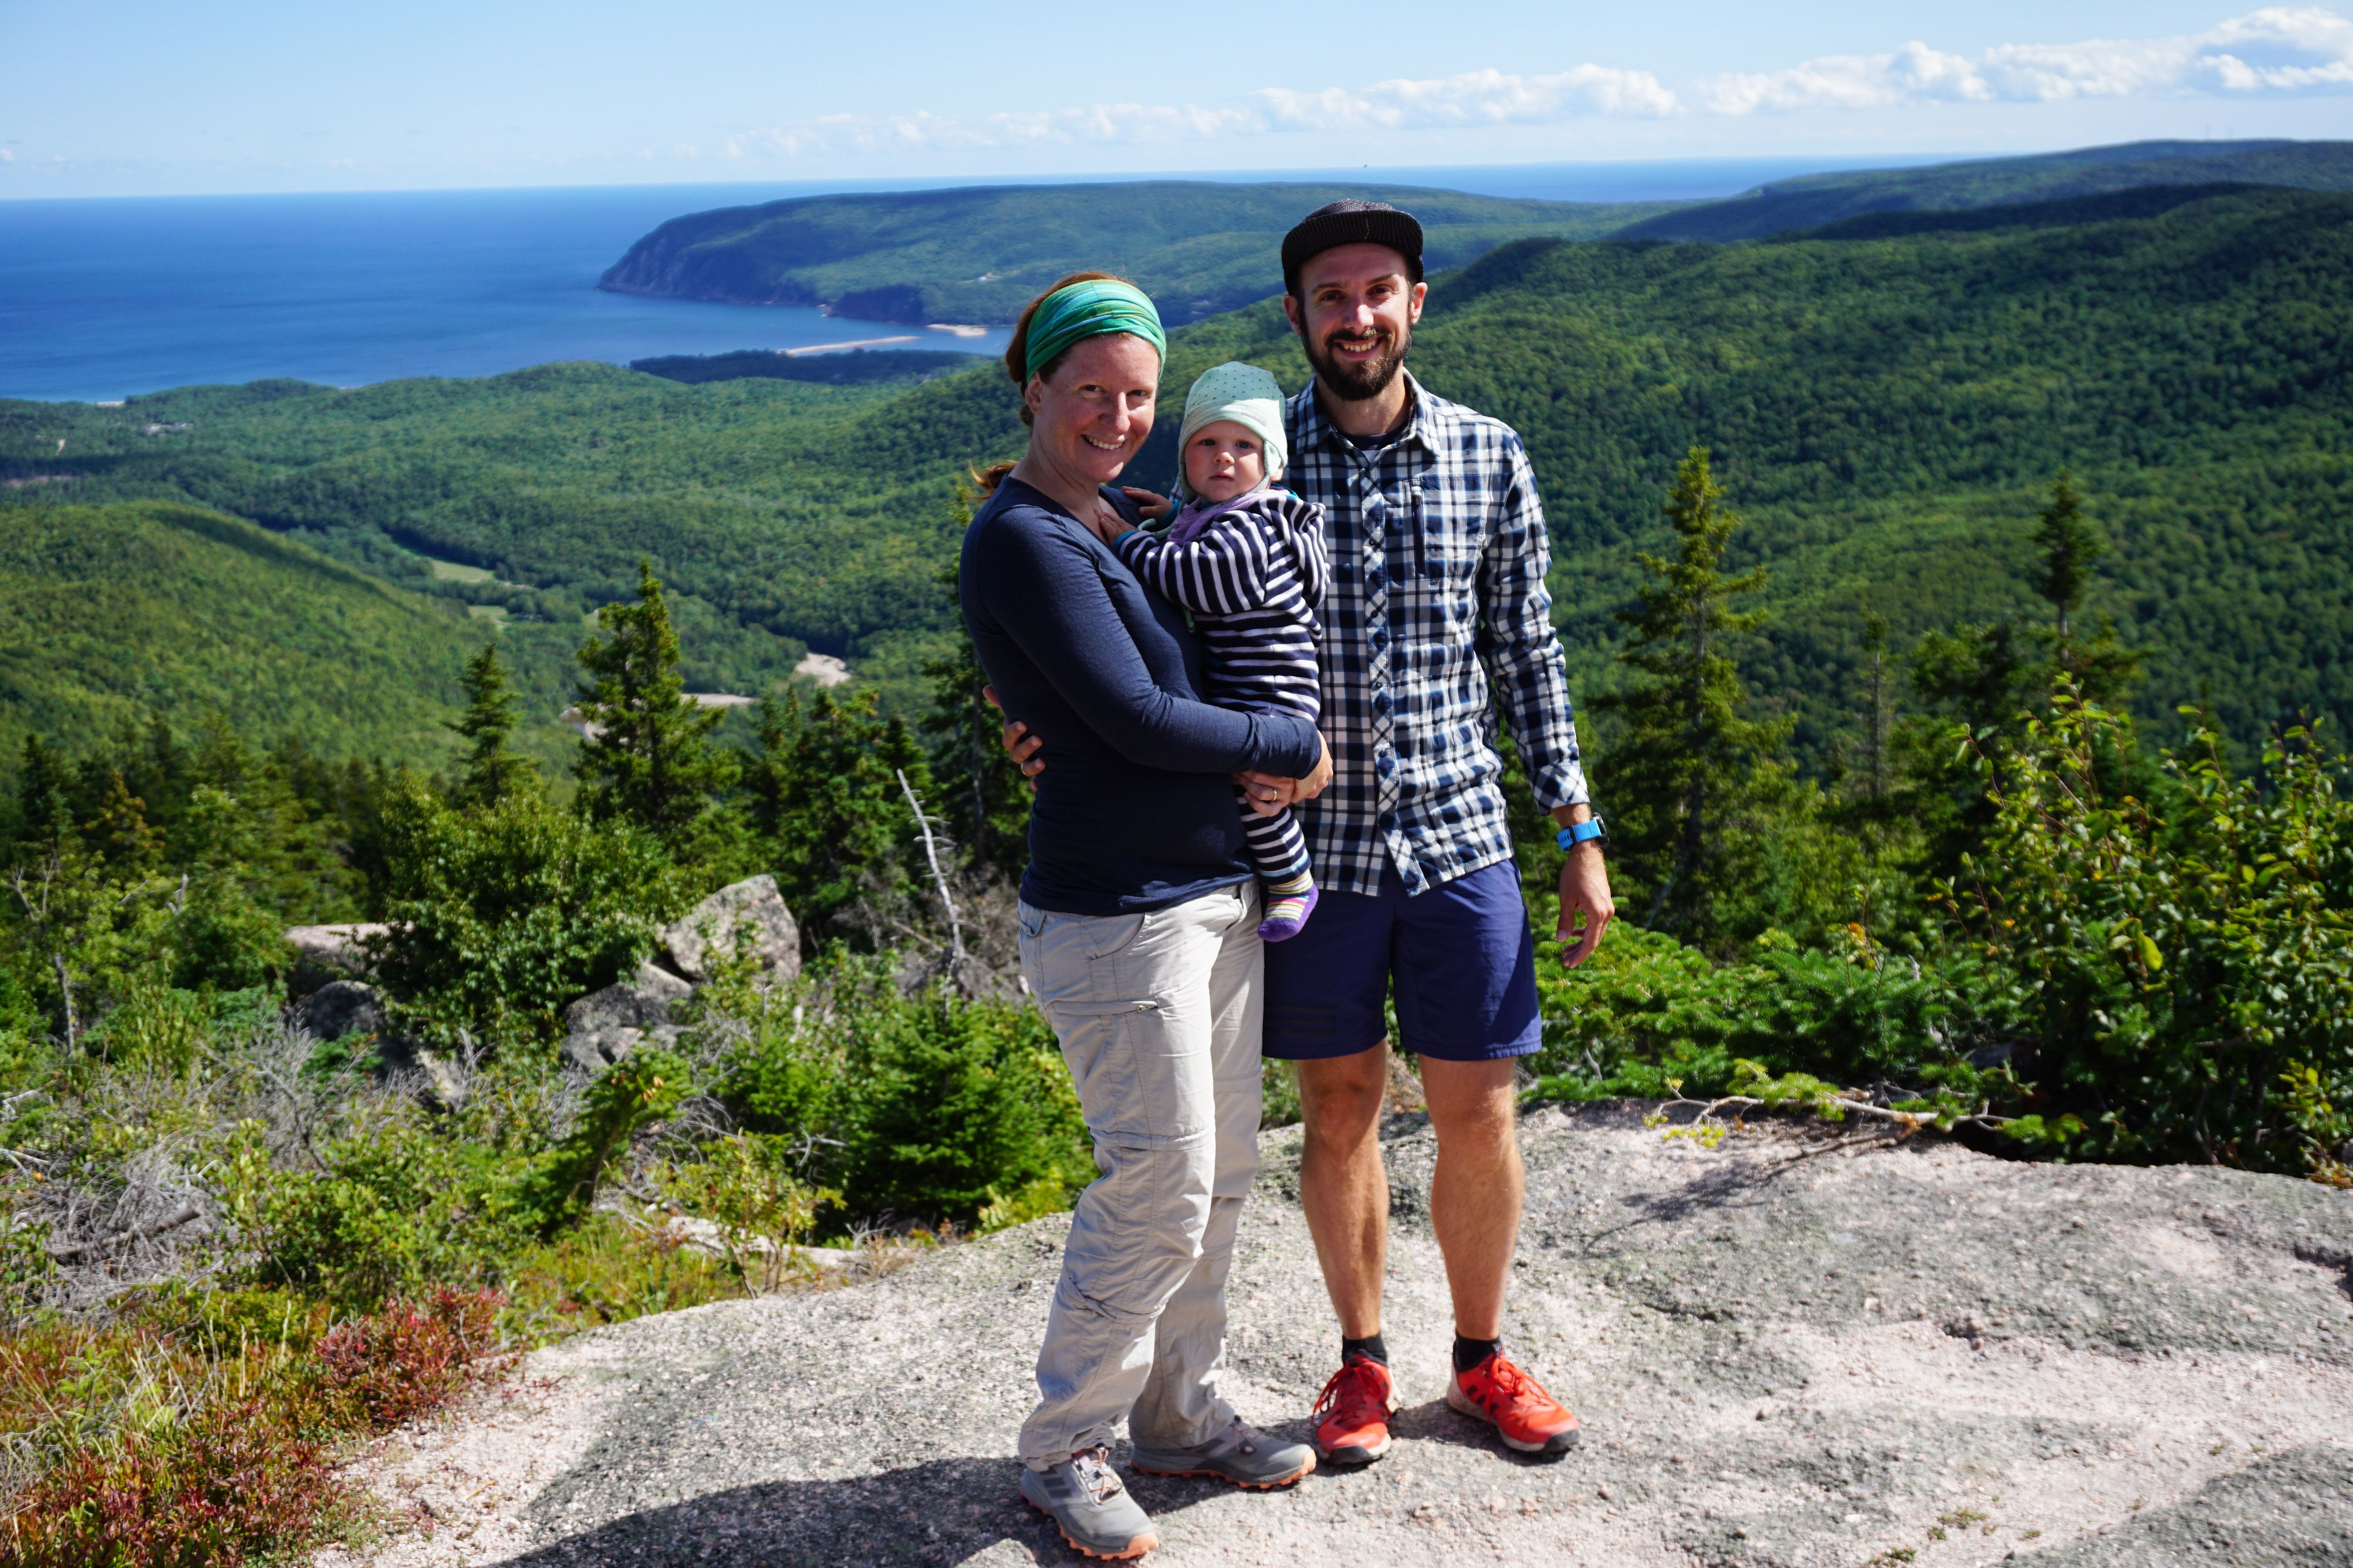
1251	570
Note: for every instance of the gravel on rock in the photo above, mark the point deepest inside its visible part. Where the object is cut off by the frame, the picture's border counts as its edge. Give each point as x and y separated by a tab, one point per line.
1917	1354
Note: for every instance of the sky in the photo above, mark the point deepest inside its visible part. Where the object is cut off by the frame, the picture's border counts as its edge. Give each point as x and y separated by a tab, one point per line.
140	97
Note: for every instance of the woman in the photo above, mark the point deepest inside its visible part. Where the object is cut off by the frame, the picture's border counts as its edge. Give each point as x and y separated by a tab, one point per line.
1139	926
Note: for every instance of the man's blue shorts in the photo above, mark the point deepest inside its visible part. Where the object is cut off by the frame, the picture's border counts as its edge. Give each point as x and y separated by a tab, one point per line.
1460	953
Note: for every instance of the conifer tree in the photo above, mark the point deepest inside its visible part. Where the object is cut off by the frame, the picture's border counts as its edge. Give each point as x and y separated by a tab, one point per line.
651	760
492	770
1689	761
44	815
2069	544
825	796
2101	667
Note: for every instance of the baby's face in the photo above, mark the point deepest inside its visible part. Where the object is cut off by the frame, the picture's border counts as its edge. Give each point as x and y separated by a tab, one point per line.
1224	460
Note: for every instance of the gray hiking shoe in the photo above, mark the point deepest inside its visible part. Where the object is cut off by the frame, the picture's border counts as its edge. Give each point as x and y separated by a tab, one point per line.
1084	1497
1241	1454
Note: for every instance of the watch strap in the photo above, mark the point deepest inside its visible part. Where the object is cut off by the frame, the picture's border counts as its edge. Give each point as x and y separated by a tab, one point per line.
1577	833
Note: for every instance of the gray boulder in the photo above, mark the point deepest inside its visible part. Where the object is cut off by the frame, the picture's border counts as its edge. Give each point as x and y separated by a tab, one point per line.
603	1026
709	928
323	954
594	1053
341	1008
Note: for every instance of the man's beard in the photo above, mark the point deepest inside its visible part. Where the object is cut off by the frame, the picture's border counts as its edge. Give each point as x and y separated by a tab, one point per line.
1361	381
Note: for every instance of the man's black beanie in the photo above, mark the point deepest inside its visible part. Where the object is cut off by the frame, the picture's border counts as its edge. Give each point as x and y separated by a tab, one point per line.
1351	223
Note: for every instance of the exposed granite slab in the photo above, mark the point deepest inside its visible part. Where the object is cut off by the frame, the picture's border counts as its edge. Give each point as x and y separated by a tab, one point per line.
1830	1360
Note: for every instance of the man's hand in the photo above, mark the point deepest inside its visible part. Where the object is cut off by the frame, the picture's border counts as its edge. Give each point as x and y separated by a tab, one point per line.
1268	795
1019	744
1584	889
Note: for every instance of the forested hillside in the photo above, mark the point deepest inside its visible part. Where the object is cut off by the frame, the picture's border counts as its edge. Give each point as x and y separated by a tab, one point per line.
553	481
1888	410
1813	200
979	255
114	618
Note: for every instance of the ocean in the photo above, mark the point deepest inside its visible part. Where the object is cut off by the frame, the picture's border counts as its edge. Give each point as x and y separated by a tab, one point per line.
107	298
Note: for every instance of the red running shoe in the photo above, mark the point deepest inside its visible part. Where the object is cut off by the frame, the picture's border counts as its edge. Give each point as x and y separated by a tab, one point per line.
1514	1405
1351	1414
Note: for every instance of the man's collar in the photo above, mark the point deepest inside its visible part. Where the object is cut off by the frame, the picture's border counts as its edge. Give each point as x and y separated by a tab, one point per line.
1314	425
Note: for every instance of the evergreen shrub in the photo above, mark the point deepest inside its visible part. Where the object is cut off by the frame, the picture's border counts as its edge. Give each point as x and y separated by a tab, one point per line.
499	916
928	1107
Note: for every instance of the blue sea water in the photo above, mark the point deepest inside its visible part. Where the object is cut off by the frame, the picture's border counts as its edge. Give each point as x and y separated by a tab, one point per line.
100	299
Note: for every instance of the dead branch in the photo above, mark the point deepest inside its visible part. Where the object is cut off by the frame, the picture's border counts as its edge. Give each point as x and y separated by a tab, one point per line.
939	880
149	1232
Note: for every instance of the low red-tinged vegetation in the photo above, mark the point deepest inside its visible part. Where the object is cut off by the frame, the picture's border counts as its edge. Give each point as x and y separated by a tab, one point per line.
412	1358
130	1449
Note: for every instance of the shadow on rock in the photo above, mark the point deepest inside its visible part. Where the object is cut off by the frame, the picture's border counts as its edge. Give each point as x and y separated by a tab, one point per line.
1733	1184
940	1511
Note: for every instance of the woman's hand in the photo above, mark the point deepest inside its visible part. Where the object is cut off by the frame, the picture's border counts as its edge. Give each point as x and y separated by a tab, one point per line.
1268	795
1106	521
1151	503
1019	744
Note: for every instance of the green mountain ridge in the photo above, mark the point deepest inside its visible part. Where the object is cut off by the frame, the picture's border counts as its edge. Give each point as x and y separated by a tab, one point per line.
1813	201
979	255
1887	407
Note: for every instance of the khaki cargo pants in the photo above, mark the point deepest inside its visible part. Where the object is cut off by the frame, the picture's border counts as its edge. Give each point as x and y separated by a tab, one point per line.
1158	1018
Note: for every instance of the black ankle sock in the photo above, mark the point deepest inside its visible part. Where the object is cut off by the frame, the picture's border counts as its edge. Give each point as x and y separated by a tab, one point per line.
1469	1353
1370	1345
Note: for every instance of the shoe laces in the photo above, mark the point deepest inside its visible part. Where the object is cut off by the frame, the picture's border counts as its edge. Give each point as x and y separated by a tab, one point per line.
1093	1468
1513	1384
1244	1436
1351	1387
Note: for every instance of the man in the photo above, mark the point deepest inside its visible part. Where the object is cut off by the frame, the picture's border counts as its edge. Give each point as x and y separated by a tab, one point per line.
1437	621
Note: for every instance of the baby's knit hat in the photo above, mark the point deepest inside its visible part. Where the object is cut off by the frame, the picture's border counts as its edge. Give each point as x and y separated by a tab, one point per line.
1248	396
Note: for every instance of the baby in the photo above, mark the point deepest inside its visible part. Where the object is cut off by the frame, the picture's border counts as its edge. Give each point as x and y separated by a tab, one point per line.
1247	559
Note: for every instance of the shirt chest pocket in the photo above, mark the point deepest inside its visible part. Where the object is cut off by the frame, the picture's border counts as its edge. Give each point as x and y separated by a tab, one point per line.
1446	545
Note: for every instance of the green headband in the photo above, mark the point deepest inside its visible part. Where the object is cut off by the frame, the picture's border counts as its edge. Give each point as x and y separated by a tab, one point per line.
1090	309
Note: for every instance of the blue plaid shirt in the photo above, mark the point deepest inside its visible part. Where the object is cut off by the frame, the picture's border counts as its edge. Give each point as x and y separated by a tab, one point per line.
1437	617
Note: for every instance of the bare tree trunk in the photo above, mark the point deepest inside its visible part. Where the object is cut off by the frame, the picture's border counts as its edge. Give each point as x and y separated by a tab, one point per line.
939	880
65	992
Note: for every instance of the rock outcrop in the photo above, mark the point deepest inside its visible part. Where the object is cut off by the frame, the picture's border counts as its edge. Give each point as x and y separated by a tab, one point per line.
602	1028
341	1008
1920	1355
710	926
326	953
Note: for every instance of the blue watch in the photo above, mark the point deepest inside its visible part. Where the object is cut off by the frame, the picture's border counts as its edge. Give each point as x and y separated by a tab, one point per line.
1591	830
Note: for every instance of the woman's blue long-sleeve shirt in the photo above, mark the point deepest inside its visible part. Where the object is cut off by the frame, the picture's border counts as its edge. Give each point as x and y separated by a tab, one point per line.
1136	810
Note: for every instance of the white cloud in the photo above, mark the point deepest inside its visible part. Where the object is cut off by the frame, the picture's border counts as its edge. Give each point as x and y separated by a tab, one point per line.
2278	50
1473	97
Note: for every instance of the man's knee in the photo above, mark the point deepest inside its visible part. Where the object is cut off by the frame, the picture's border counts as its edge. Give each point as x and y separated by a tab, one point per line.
1340	1097
1472	1105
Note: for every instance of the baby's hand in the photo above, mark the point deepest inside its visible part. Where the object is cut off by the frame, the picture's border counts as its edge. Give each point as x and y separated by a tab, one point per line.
1153	505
